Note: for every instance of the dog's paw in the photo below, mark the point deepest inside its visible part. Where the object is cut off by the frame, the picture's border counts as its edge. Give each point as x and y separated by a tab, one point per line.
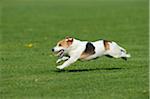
60	67
58	61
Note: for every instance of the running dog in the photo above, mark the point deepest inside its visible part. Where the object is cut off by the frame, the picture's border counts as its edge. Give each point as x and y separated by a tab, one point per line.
70	50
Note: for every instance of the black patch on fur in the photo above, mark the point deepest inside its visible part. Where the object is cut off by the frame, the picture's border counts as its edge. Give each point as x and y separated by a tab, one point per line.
90	49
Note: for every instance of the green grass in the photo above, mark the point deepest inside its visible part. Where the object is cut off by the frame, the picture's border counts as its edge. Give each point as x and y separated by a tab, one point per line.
30	73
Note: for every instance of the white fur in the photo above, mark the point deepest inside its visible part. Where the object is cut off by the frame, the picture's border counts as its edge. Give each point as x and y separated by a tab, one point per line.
77	48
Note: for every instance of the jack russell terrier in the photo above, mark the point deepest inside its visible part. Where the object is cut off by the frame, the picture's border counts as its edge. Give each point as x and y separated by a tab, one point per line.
70	50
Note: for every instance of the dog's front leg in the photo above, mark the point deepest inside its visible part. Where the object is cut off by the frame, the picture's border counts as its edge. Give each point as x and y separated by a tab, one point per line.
68	62
62	59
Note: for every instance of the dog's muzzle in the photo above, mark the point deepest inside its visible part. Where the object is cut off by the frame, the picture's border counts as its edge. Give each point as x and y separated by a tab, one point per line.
52	49
59	53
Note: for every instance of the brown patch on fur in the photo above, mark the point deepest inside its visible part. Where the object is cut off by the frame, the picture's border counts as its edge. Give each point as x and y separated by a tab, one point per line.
106	44
65	42
89	50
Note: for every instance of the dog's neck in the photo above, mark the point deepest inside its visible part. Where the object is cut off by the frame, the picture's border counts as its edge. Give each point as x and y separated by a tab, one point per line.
74	44
76	48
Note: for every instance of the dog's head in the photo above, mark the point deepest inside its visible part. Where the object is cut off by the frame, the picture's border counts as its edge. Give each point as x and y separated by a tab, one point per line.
62	46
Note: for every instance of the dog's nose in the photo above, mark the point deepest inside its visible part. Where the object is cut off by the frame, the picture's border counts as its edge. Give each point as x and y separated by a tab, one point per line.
52	49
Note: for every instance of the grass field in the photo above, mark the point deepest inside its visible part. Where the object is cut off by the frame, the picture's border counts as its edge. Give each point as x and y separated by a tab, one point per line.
30	73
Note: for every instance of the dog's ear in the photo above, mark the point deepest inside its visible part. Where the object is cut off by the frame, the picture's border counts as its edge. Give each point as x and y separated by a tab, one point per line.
67	37
69	40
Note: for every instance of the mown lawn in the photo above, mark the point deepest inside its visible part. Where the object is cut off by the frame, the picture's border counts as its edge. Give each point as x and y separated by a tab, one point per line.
30	73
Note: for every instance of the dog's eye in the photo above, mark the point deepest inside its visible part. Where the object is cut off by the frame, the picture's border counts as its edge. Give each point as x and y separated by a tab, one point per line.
59	45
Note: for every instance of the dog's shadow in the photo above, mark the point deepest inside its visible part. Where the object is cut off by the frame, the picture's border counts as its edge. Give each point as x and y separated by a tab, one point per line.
86	70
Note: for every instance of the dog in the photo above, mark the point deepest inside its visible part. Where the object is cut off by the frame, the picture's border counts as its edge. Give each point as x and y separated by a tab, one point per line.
70	50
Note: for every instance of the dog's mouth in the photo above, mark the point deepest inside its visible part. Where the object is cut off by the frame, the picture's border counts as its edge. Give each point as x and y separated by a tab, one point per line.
60	53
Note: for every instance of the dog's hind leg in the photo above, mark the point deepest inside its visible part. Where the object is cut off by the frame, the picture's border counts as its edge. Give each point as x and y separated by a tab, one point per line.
116	51
124	55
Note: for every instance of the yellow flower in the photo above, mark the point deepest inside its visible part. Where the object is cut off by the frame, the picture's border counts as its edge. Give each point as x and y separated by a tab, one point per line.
30	45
